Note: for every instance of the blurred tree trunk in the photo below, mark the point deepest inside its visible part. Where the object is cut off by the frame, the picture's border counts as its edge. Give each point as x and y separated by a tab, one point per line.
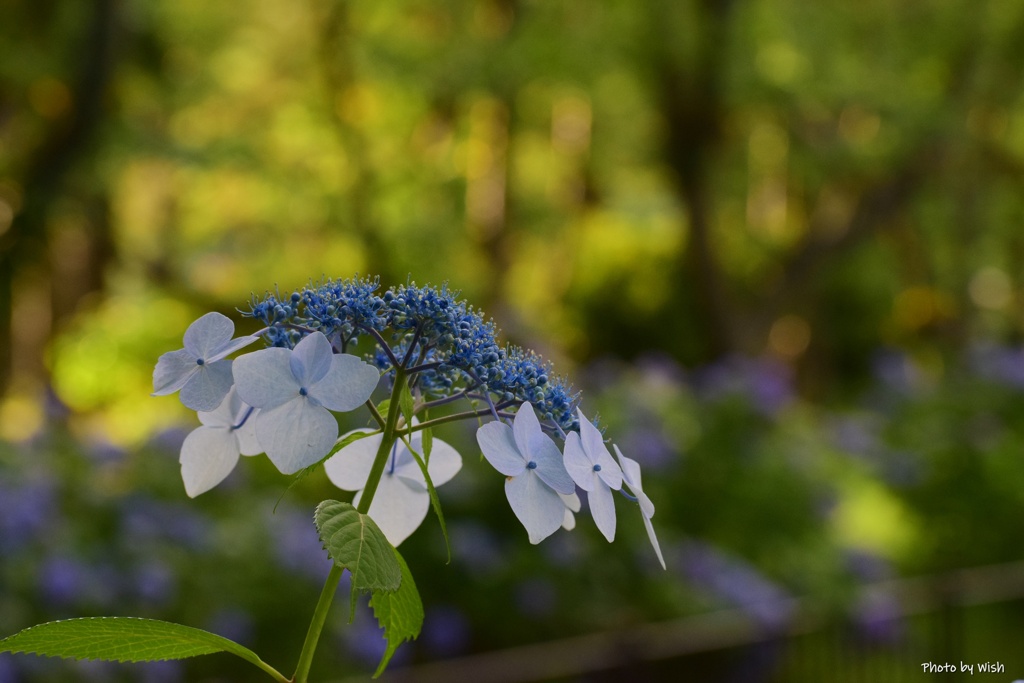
24	247
691	103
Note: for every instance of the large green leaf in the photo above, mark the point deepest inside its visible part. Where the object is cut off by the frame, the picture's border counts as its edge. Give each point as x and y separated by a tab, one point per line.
125	639
400	613
356	543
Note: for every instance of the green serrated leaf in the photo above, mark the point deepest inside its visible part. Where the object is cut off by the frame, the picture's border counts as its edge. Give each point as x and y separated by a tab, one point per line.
400	614
125	639
428	441
435	502
355	542
384	406
406	404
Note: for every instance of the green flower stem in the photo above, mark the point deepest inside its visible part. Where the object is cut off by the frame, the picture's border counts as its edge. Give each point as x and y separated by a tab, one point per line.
331	585
447	418
386	443
317	624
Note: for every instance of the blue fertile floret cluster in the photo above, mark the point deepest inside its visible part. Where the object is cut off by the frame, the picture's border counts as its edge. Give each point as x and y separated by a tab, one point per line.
446	344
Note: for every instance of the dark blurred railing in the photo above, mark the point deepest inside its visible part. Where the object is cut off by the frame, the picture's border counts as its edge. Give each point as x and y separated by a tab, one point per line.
968	617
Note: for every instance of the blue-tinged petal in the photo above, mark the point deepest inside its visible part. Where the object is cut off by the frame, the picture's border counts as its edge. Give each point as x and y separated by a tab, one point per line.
602	509
397	508
248	442
349	468
232	345
654	540
526	426
264	378
172	371
208	334
347	385
311	359
550	467
207	457
577	464
572	504
296	434
540	509
499	447
445	463
610	473
631	475
224	414
597	453
208	386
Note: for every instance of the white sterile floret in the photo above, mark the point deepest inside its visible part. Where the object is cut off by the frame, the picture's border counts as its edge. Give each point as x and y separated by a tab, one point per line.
631	477
200	370
210	452
572	505
295	391
534	472
592	468
401	501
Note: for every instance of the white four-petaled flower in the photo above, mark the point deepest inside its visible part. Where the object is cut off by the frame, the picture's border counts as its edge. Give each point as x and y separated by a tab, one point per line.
401	501
631	477
592	468
200	370
295	391
532	465
210	452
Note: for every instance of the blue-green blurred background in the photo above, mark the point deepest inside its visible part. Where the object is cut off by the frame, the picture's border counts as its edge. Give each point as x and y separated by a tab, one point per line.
777	244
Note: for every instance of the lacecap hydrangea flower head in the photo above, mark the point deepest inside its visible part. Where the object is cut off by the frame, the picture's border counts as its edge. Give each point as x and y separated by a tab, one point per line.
433	352
439	360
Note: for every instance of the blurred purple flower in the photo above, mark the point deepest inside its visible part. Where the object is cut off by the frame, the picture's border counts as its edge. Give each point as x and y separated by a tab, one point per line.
94	669
160	672
765	383
653	449
62	581
146	520
170	440
660	369
446	631
364	639
736	582
866	566
233	624
155	583
103	452
876	616
66	581
8	671
475	547
857	434
297	545
1000	364
897	371
25	511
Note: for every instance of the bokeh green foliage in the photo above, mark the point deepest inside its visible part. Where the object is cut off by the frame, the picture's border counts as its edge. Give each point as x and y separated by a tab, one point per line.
818	186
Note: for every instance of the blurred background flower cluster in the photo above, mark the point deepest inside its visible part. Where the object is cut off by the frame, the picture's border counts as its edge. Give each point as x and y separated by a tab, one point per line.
778	245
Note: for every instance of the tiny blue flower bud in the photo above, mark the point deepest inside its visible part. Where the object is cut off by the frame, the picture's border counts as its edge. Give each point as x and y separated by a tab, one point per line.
531	465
